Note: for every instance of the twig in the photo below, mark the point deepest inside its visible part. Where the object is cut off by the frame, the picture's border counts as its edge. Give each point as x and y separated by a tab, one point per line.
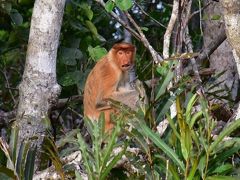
156	57
144	12
62	102
8	86
206	52
189	45
167	35
114	15
199	11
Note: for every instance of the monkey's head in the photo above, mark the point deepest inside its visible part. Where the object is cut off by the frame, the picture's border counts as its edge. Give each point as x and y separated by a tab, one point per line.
123	55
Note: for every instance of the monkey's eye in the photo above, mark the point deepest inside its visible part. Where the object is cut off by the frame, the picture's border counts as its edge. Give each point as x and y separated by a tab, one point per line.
120	52
128	52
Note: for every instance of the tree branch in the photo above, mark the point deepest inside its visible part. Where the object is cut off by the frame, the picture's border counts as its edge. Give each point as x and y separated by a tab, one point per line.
206	52
167	35
139	35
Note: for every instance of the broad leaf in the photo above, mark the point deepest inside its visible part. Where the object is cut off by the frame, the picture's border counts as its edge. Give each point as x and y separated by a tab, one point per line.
97	52
124	5
109	5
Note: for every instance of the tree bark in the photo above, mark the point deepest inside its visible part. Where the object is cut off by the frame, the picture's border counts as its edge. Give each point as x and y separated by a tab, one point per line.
232	23
39	89
222	58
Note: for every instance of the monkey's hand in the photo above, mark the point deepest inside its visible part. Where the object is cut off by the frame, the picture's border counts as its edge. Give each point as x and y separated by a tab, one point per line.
104	104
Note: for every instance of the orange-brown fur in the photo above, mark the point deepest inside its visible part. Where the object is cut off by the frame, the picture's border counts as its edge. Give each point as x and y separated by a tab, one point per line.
105	79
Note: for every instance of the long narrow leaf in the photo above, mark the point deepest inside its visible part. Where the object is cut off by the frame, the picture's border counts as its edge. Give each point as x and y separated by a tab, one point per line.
222	178
195	118
29	167
13	143
96	146
162	145
193	169
139	139
113	162
8	172
166	82
22	154
189	107
83	148
228	130
170	101
172	125
111	143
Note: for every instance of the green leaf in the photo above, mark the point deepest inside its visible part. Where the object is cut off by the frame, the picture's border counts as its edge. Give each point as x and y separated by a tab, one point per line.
52	153
92	28
67	138
216	17
87	10
189	107
169	102
223	169
96	146
186	140
97	52
202	164
13	143
68	56
172	125
8	172
195	118
109	5
144	29
124	5
193	169
222	178
112	163
78	175
141	141
163	69
225	153
227	130
162	145
107	152
29	167
85	155
166	82
70	78
22	154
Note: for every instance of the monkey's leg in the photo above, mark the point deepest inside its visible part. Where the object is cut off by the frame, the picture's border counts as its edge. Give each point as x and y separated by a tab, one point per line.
108	123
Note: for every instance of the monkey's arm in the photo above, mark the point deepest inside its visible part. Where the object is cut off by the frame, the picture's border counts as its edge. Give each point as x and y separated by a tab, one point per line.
103	105
102	102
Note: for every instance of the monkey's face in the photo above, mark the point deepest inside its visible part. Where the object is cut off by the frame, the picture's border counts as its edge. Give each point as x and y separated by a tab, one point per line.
124	59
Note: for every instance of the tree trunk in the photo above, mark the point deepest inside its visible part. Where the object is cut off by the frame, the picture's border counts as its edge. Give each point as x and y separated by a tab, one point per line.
39	88
232	24
222	58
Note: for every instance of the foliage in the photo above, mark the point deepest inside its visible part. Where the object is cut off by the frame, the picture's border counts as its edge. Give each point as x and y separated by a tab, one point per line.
121	4
20	162
189	149
99	158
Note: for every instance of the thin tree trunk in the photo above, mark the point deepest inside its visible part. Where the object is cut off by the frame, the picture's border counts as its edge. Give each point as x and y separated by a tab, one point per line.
39	88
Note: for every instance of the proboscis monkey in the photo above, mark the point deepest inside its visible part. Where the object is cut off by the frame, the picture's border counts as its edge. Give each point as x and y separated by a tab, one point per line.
107	78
